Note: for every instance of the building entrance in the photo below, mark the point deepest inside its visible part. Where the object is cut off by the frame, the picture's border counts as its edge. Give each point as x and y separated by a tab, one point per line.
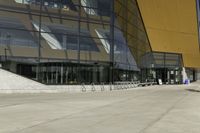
65	73
169	76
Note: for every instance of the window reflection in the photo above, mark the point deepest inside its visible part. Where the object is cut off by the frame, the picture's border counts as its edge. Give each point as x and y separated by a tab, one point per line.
97	7
13	32
122	55
69	38
61	4
61	37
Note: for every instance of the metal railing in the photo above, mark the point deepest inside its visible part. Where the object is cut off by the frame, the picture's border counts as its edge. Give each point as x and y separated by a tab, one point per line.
116	86
93	87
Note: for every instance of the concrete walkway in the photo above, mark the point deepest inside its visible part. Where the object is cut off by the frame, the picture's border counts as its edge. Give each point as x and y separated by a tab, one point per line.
155	109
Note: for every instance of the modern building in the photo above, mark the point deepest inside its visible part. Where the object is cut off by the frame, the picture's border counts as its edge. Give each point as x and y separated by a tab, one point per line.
100	41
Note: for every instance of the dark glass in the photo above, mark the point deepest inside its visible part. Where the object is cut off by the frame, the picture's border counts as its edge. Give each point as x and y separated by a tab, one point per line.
67	42
97	7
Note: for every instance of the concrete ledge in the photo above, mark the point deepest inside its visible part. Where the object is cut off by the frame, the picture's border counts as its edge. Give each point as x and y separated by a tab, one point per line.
67	89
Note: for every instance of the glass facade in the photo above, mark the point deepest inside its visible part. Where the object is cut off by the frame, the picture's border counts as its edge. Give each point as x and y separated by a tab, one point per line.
73	41
164	66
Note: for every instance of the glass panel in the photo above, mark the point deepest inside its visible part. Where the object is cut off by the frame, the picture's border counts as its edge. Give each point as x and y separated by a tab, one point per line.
13	32
24	26
129	22
97	7
61	4
161	60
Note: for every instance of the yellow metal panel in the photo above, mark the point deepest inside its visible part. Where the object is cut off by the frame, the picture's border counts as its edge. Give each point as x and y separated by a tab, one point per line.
190	59
172	27
173	42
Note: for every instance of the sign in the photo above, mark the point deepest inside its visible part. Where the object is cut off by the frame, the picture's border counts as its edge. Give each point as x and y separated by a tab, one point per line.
160	81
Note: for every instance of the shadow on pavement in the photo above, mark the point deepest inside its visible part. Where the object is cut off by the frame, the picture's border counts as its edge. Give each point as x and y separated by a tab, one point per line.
192	90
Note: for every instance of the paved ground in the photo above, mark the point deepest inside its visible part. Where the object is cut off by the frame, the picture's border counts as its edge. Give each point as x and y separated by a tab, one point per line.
158	109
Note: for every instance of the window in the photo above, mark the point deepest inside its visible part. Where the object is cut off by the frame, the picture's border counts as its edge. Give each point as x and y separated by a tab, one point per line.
97	7
61	4
61	37
13	32
122	54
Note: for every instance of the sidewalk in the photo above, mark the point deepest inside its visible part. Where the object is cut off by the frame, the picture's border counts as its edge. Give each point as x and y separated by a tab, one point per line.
156	109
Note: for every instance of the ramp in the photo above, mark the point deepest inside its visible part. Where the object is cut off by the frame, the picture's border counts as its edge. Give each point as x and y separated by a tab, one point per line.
11	81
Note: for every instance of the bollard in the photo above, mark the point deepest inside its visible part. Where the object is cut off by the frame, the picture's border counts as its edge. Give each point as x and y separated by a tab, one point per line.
110	86
83	88
102	87
93	87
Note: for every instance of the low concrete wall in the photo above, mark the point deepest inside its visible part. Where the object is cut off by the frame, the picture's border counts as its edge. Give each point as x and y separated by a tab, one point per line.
13	83
67	89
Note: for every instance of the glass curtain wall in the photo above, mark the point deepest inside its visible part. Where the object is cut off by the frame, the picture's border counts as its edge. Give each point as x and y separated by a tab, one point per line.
130	38
73	41
58	39
164	66
74	34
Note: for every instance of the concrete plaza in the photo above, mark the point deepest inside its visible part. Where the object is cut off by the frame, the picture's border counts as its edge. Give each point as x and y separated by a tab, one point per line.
155	109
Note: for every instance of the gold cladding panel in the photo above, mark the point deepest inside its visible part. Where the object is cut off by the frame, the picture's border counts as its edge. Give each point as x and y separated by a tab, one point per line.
172	27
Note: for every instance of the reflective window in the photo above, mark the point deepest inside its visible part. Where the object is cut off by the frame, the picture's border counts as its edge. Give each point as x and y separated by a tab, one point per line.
97	7
129	22
69	39
61	4
13	32
122	55
61	37
161	60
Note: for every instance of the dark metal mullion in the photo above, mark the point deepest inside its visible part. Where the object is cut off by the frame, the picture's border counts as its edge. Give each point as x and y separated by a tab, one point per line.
112	23
165	69
39	40
79	30
198	20
126	36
